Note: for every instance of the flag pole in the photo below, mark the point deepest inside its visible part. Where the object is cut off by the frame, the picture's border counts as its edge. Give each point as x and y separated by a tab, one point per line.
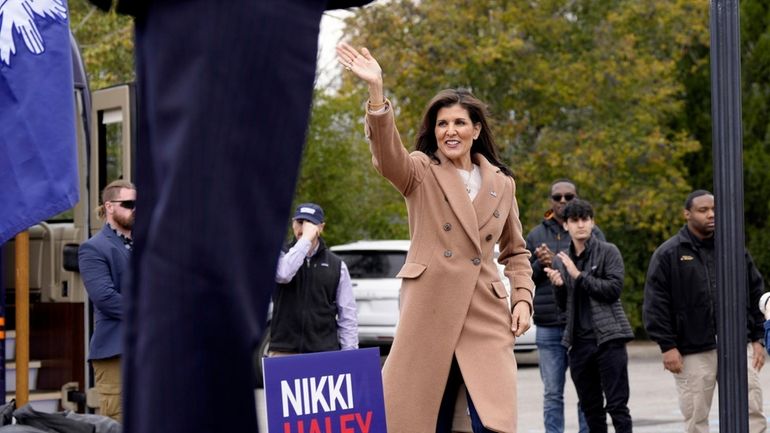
22	318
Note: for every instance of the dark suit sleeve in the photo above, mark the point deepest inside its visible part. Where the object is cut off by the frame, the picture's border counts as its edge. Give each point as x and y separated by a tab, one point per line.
95	271
607	285
756	287
656	310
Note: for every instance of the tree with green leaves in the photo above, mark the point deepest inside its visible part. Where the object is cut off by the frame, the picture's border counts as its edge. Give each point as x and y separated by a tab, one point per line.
755	53
695	74
106	42
337	173
583	89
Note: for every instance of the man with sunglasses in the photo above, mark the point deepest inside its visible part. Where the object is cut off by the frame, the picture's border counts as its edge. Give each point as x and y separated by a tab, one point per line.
544	241
104	261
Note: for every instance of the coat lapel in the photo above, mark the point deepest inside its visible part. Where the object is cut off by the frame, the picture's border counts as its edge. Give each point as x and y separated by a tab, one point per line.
455	194
109	234
492	189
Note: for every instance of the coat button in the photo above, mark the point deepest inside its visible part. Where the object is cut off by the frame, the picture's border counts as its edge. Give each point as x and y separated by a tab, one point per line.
477	261
447	253
496	214
447	227
488	238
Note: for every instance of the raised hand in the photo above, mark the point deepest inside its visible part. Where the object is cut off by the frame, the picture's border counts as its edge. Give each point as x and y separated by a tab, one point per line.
362	64
310	231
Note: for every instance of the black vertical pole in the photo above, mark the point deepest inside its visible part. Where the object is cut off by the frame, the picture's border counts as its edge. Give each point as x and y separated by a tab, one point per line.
728	191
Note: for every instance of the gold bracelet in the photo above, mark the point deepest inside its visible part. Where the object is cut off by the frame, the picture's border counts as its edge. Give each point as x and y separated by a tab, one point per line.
375	107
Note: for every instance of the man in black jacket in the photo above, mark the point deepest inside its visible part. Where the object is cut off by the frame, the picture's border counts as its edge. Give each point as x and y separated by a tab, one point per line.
544	241
588	281
679	308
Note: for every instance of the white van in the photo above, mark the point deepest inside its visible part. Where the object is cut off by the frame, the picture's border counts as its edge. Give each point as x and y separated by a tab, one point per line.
373	266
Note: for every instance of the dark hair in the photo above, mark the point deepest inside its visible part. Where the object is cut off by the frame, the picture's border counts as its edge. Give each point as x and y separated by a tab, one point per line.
693	195
578	209
477	110
563	180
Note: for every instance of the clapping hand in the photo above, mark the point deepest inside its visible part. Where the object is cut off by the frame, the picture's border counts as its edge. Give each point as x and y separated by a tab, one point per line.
544	255
569	265
555	276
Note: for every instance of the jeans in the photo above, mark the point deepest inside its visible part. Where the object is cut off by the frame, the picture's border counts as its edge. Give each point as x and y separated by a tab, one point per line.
600	373
553	370
446	411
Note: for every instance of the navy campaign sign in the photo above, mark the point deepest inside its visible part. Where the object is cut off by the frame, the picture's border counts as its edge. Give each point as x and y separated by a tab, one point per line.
326	392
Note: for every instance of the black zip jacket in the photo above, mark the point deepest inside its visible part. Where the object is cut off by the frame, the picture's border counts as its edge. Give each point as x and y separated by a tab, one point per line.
551	233
679	300
602	280
305	309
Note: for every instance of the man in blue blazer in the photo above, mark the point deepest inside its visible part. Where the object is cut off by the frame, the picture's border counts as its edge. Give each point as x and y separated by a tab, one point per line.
104	261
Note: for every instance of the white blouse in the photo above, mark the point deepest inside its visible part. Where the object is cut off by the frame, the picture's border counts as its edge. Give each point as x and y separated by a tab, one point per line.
471	180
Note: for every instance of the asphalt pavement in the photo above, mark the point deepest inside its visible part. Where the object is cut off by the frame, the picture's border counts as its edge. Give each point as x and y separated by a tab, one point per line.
653	402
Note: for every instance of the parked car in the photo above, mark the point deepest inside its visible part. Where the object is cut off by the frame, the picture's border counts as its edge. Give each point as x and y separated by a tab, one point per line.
373	266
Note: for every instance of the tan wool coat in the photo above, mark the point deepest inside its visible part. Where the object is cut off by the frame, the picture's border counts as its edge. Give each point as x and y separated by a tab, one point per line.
452	299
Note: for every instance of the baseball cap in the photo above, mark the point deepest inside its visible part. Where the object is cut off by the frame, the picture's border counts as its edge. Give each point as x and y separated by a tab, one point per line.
311	212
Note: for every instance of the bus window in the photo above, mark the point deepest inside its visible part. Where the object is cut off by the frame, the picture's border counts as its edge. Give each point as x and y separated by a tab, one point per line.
111	145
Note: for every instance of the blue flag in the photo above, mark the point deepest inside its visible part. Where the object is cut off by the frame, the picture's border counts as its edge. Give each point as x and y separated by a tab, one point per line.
38	154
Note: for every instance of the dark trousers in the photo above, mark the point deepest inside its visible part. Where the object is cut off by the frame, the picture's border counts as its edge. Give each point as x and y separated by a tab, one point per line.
224	91
447	409
599	373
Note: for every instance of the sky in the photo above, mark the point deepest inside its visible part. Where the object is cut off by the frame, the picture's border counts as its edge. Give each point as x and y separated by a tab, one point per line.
331	32
332	23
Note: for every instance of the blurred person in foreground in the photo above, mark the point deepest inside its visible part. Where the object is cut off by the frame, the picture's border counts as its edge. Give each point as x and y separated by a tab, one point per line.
224	91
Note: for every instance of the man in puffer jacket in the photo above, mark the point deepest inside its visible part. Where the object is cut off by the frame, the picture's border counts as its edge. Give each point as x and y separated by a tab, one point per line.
544	241
588	281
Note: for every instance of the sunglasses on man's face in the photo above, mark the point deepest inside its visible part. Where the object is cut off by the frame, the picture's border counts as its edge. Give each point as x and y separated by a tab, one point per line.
558	197
125	204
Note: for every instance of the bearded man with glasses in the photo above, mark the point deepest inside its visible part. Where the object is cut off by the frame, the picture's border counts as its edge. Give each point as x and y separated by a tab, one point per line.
544	241
104	261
